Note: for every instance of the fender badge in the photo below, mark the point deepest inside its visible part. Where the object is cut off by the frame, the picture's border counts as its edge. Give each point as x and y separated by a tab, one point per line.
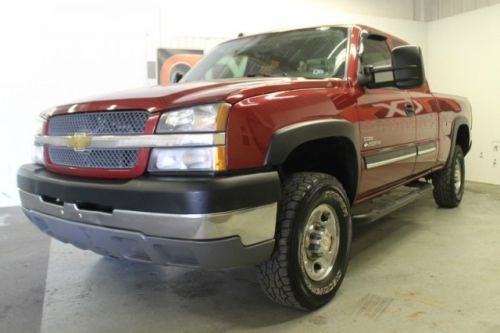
369	141
79	141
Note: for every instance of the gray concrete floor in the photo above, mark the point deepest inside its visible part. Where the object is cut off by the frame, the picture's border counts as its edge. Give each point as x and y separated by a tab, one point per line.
24	257
420	269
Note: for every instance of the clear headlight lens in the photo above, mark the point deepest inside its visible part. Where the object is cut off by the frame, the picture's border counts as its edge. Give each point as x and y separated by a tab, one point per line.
37	151
200	118
187	159
37	154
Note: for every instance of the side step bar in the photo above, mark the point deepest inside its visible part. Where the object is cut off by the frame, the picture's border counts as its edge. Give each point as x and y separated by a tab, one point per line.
362	216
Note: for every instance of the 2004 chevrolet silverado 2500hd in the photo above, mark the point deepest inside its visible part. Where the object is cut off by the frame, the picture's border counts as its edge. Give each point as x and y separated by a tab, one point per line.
263	154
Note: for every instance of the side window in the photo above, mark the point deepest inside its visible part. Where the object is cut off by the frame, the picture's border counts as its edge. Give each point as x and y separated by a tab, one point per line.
376	53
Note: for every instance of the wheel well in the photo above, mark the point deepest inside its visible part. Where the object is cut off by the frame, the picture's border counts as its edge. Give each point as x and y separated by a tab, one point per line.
334	156
463	138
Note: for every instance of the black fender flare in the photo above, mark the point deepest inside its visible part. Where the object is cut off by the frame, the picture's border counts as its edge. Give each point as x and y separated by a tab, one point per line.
286	139
459	121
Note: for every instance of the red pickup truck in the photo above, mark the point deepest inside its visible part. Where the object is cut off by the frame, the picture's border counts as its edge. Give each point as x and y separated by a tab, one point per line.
263	154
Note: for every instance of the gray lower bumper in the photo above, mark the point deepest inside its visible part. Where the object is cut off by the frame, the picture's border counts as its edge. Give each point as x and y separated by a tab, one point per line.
252	225
132	245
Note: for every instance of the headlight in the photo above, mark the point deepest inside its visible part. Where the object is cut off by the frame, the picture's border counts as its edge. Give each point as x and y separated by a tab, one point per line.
200	118
39	124
37	152
187	159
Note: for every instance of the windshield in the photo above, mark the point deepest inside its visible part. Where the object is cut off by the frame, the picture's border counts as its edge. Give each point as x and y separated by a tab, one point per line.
316	53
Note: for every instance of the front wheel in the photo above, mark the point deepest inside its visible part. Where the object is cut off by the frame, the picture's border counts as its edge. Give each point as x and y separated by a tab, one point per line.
313	243
449	182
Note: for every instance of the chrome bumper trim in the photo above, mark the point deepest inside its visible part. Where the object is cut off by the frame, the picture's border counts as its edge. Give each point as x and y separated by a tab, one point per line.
252	225
132	245
138	141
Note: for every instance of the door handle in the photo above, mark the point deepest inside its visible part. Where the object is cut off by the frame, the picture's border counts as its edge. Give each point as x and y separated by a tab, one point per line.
409	108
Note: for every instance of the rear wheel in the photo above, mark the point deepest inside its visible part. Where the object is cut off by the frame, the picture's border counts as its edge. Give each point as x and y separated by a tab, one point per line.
313	243
449	182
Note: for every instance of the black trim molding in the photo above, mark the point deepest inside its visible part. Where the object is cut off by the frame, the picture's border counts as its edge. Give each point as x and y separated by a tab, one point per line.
286	139
174	195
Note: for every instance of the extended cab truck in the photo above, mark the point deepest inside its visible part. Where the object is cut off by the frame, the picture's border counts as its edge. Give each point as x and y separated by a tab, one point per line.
264	154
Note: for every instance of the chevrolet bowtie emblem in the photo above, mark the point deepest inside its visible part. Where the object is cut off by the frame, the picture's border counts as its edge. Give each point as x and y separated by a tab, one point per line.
80	141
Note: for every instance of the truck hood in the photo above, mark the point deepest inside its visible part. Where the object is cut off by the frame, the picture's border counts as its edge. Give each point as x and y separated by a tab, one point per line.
161	98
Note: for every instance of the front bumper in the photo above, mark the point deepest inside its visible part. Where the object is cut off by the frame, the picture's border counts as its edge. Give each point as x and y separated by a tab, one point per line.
211	222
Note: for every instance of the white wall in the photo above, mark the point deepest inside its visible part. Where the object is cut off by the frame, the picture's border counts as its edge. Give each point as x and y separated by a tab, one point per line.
52	52
402	9
463	60
229	17
55	51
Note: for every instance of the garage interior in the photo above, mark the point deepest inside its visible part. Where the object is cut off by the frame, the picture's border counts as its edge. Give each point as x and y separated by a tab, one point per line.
418	269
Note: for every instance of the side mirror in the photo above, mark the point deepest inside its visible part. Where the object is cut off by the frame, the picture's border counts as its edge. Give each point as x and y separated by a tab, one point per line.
408	65
407	70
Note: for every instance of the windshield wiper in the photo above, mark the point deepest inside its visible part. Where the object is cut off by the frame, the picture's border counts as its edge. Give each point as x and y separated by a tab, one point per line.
266	75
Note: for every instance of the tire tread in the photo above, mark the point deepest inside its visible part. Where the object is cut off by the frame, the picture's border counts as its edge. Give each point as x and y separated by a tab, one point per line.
444	190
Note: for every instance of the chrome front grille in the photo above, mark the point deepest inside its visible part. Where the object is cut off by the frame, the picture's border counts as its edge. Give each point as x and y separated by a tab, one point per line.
95	124
99	123
95	158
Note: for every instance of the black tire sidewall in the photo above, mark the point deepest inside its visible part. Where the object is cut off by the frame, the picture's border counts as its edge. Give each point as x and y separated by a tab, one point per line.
444	181
458	157
325	191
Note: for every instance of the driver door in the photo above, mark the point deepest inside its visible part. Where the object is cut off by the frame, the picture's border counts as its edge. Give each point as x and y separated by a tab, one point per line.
387	126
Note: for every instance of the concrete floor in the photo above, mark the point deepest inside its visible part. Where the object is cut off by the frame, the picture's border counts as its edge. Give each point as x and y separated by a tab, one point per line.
420	269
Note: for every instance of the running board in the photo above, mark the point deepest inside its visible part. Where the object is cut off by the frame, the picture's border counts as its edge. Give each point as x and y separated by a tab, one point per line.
378	207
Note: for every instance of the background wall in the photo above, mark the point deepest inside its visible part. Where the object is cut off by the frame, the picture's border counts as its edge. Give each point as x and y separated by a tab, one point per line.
429	10
462	59
53	52
56	51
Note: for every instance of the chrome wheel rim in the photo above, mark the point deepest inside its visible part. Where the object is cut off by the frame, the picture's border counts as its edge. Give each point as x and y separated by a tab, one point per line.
457	181
320	243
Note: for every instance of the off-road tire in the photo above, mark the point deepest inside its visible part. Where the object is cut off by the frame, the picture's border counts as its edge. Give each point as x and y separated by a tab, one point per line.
445	191
282	277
